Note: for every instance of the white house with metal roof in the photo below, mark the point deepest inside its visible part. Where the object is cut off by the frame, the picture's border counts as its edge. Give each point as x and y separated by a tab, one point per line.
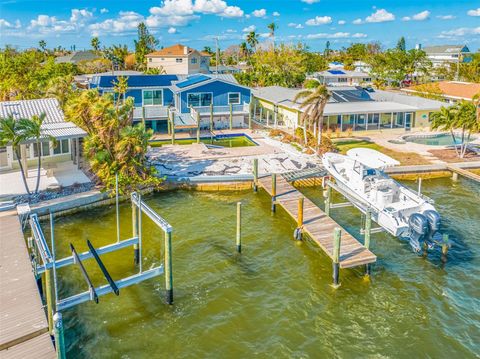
349	108
67	134
342	77
447	54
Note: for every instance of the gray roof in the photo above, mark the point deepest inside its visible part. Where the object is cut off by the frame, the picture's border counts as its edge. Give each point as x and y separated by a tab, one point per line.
445	49
344	73
346	100
54	123
77	56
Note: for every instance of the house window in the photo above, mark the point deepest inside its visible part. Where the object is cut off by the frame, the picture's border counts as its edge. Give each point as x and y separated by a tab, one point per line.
152	97
194	60
199	99
178	60
45	147
149	59
62	147
234	98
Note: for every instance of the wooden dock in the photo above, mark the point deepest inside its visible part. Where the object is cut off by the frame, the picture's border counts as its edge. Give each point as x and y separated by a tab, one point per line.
318	225
464	173
23	324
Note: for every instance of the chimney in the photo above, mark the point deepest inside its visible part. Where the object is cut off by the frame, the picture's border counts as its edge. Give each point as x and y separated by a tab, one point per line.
185	50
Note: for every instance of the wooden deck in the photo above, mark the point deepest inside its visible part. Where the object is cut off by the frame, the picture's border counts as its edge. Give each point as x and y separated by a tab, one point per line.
318	225
22	318
463	172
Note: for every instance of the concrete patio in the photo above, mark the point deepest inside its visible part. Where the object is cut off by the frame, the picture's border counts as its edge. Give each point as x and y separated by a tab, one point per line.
57	175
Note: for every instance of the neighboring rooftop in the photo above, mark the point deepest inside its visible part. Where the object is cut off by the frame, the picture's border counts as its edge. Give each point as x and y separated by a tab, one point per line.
454	89
445	49
54	123
176	50
341	72
77	56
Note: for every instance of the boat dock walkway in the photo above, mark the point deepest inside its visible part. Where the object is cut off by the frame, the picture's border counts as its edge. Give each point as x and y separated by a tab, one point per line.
464	173
318	225
23	323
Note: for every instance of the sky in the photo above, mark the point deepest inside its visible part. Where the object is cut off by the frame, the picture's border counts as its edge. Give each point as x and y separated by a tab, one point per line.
196	23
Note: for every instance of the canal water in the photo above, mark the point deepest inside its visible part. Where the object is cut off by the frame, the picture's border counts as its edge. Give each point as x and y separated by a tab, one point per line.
275	299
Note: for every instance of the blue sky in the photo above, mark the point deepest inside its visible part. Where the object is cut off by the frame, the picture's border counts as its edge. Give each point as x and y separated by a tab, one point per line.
196	22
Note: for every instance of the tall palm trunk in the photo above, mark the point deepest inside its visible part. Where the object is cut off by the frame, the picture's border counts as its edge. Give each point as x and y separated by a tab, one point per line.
39	151
454	142
305	139
17	153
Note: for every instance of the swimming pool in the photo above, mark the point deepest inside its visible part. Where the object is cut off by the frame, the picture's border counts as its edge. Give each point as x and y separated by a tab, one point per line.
233	140
436	139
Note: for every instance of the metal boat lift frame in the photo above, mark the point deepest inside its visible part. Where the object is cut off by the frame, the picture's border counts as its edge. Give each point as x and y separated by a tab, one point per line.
44	262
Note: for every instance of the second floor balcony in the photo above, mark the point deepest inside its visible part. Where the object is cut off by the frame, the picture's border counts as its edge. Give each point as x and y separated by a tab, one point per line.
161	112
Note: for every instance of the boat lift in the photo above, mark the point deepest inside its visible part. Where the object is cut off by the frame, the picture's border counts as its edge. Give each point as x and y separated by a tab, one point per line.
45	263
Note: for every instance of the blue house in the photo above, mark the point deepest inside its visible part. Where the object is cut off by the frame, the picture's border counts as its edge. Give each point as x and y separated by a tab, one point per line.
183	98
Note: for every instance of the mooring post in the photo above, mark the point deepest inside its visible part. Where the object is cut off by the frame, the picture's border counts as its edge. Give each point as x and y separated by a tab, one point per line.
59	336
250	115
140	230
117	207
419	185
298	230
168	268
135	232
445	246
231	117
327	200
274	191
172	126
169	130
367	234
198	127
48	293
336	256
255	174
239	227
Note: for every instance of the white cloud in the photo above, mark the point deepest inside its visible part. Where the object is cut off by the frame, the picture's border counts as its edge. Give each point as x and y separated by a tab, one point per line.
474	12
341	22
310	1
380	15
264	34
231	31
299	26
250	28
186	8
276	13
44	24
172	30
103	11
259	13
421	16
4	24
80	16
446	17
336	35
357	22
127	21
291	24
462	31
319	20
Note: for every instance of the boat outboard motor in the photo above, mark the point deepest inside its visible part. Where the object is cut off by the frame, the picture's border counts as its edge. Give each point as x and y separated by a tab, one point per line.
418	228
433	218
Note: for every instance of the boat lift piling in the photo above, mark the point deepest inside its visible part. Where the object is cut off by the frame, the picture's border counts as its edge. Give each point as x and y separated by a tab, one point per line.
255	174
274	191
238	238
44	262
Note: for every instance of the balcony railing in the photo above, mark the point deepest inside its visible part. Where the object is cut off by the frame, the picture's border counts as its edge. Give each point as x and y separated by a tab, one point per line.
222	109
149	112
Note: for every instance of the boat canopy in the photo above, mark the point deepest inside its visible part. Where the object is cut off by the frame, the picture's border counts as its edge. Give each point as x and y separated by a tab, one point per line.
372	158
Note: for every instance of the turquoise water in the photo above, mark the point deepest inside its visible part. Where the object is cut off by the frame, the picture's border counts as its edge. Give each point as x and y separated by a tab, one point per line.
438	140
275	299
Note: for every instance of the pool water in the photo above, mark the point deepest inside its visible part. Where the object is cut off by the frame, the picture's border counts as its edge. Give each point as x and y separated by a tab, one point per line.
275	299
444	139
223	141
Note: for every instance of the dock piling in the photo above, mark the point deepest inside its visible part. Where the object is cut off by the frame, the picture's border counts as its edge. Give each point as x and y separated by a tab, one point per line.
337	234
48	294
198	127
297	235
455	176
135	233
59	336
168	268
419	186
368	231
239	227
211	119
255	174
274	191
231	117
328	200
116	207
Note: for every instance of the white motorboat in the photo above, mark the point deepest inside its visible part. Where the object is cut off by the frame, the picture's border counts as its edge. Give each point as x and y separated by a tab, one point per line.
360	177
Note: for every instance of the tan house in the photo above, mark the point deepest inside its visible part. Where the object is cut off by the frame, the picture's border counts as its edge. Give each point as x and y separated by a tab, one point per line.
179	60
450	91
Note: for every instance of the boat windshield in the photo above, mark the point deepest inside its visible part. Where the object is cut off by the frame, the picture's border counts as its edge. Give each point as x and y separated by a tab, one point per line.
369	172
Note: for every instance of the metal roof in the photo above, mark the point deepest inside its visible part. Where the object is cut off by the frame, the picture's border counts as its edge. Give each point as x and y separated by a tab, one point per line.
445	49
192	80
54	123
108	81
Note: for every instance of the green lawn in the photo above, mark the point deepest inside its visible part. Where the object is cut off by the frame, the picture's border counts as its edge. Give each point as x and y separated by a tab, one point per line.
405	158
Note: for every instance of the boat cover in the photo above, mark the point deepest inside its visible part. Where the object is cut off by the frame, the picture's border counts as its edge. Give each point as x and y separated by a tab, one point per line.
372	158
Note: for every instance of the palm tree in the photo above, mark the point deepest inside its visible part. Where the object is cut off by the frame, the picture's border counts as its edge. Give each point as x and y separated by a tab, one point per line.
95	42
466	119
444	120
32	129
313	104
272	27
12	134
252	39
476	102
42	44
243	49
